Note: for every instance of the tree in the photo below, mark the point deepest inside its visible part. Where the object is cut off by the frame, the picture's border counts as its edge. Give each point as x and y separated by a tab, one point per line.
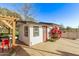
26	15
68	28
78	26
26	8
7	12
62	27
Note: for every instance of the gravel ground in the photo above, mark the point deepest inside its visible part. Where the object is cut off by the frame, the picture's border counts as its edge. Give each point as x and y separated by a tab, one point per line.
62	47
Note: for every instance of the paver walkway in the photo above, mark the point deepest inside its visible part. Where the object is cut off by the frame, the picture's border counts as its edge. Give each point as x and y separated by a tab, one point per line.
62	47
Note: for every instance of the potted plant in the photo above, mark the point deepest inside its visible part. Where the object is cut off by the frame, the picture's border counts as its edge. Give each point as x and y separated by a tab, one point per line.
55	33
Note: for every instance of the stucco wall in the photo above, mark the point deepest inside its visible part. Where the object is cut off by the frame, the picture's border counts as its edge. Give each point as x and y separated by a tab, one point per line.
21	35
37	39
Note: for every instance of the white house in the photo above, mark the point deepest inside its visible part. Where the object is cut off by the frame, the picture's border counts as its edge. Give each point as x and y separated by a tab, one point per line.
32	33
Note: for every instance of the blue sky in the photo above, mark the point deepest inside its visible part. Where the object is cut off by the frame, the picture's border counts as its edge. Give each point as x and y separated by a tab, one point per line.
60	13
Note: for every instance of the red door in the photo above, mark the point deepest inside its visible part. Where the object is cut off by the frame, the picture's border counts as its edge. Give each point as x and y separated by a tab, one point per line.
44	33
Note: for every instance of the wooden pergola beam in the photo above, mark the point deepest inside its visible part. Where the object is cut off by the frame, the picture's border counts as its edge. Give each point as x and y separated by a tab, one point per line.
13	34
7	17
10	22
6	23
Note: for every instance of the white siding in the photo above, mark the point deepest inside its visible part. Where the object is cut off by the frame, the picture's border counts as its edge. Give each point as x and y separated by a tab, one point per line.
31	40
37	39
48	30
21	35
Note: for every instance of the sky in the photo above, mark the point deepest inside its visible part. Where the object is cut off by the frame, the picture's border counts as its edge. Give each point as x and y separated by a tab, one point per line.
66	14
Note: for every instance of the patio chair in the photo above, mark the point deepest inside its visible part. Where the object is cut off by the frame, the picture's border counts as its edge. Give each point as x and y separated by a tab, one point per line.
5	42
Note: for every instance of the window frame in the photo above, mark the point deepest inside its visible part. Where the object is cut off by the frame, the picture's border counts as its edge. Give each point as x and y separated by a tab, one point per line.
26	31
35	31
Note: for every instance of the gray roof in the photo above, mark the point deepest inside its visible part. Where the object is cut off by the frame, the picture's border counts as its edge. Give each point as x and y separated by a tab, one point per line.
47	23
28	18
31	20
39	23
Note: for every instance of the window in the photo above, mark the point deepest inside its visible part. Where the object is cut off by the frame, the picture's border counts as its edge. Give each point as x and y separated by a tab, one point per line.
26	31
36	31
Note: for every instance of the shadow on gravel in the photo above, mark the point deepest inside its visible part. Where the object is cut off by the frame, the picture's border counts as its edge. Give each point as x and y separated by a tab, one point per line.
21	52
63	53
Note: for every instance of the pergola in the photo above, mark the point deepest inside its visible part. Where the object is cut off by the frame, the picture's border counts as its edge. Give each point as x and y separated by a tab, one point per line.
9	22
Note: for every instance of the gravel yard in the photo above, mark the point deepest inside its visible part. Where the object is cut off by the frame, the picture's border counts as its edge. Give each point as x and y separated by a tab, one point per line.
62	47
